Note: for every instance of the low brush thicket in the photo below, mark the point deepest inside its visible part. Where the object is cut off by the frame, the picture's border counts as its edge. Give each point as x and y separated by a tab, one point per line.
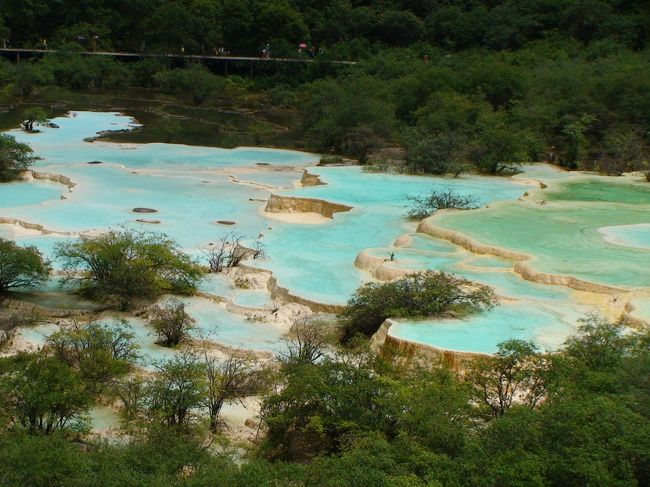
422	294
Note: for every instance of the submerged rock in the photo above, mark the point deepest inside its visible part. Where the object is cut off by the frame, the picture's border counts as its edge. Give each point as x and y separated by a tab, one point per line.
144	210
94	162
226	222
153	222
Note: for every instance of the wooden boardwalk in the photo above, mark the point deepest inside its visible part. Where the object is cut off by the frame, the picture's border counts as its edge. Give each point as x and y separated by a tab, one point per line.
191	57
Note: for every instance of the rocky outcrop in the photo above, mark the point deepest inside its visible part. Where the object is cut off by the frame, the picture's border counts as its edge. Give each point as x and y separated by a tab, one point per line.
290	204
378	267
33	226
57	178
283	295
309	179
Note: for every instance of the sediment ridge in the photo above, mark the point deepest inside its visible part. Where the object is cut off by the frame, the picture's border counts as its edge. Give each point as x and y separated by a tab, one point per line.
292	204
283	295
399	348
56	178
35	226
522	268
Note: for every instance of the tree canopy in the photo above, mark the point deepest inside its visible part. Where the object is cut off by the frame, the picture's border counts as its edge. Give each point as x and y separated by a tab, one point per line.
124	266
21	267
15	157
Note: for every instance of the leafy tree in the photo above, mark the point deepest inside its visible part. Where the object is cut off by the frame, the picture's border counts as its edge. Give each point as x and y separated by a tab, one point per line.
14	157
100	352
399	28
43	393
4	30
171	323
28	76
437	409
195	81
21	267
322	405
43	460
175	389
227	380
125	266
306	345
336	109
34	115
574	131
427	293
515	374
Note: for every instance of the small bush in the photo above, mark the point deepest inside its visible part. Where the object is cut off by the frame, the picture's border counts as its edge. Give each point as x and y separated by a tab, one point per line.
422	294
126	266
425	205
330	159
171	323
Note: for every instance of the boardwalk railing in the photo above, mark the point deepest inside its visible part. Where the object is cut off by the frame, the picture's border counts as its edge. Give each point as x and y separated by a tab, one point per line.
196	57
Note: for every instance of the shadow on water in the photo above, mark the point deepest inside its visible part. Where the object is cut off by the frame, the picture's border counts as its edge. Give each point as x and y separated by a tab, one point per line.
223	123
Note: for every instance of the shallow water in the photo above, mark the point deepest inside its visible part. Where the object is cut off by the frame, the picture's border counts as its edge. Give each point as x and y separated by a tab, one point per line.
562	238
193	187
484	331
29	193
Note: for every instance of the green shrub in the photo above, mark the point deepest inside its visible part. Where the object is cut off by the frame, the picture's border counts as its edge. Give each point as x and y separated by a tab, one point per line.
14	157
127	266
21	267
422	294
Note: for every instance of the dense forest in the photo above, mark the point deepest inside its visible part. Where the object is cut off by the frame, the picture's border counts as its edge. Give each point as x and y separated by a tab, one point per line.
460	85
439	86
519	418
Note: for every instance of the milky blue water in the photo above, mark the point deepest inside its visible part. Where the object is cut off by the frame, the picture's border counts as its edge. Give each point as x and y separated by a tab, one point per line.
29	193
628	235
485	331
193	187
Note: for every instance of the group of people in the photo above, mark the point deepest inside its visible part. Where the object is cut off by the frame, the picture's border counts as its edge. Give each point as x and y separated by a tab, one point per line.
221	51
311	52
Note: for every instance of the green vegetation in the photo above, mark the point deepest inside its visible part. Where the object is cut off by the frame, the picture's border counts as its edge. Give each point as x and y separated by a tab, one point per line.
425	205
423	294
522	417
21	267
34	115
42	394
124	266
171	322
448	86
100	353
15	157
463	86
